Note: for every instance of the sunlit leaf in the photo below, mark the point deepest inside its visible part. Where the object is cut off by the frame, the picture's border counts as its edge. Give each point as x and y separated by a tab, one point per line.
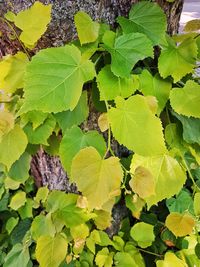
168	175
171	260
183	55
111	86
33	22
88	30
196	204
104	258
51	251
18	200
54	79
6	122
74	140
155	86
12	72
42	225
12	146
145	130
143	234
98	179
186	100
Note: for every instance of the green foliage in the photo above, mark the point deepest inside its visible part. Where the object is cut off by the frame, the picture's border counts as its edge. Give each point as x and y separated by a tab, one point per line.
57	99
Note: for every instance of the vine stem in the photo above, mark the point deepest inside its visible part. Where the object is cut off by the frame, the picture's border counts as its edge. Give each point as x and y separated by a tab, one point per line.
109	149
189	172
16	36
149	252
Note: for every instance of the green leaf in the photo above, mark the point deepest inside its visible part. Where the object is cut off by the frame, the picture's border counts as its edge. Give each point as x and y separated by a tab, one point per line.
186	100
103	176
51	251
168	175
111	86
12	72
42	225
155	86
98	238
124	259
183	55
41	195
180	224
171	260
143	18
88	30
18	200
11	223
54	79
143	234
196	204
128	49
67	119
198	45
19	171
33	22
20	231
182	203
41	133
36	118
12	146
64	208
18	256
145	130
104	258
74	140
6	122
103	219
26	211
191	128
173	136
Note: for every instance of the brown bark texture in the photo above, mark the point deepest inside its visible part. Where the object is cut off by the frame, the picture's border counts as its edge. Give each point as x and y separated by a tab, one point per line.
47	170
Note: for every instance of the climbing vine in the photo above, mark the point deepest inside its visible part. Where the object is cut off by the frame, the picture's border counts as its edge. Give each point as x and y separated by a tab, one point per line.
144	89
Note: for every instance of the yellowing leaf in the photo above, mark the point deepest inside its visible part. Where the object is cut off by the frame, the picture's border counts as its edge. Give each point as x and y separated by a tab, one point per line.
18	200
51	251
88	30
6	122
104	258
103	219
192	25
133	116
33	22
12	69
54	79
180	224
183	55
98	179
143	182
12	146
167	174
186	100
103	122
143	234
171	260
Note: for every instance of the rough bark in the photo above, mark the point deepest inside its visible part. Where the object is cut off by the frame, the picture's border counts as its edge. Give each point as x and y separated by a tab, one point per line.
48	170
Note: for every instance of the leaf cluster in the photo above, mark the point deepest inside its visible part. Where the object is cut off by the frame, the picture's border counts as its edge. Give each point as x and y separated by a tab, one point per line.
143	86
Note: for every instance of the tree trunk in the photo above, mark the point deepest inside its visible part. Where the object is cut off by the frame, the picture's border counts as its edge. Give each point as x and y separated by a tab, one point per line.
47	170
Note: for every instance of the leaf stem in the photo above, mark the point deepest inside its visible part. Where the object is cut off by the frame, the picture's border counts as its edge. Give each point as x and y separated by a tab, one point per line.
149	252
16	35
190	174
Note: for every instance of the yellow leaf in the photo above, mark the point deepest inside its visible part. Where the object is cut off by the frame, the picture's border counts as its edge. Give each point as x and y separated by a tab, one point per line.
103	122
171	260
180	224
103	219
143	182
33	23
6	122
192	25
51	251
12	69
98	179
